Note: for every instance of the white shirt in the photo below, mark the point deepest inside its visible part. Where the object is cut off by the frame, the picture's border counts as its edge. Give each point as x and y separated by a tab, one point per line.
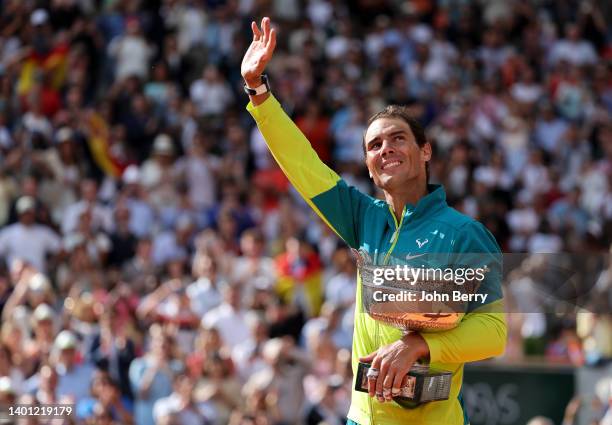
340	289
101	217
204	297
133	54
575	52
526	93
30	243
198	172
172	405
524	220
165	248
76	382
232	325
210	98
247	360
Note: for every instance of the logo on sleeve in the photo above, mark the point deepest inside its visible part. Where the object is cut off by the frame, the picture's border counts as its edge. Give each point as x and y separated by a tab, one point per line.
420	244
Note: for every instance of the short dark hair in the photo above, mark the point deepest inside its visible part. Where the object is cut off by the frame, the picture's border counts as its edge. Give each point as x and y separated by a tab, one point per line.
402	113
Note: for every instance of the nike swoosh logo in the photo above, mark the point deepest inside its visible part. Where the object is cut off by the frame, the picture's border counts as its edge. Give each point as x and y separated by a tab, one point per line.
410	257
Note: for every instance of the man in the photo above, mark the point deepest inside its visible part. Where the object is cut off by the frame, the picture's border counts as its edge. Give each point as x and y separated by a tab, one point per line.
414	219
66	377
28	240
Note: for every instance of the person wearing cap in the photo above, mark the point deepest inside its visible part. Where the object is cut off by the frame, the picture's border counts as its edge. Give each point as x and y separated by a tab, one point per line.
43	326
142	216
158	175
72	378
412	219
28	240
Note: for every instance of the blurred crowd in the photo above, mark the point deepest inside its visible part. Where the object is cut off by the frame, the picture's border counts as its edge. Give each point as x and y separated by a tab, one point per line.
157	266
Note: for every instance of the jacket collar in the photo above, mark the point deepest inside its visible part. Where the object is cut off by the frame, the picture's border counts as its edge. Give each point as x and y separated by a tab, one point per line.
426	206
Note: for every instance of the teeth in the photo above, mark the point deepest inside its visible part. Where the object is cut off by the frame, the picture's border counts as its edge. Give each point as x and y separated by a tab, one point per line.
391	164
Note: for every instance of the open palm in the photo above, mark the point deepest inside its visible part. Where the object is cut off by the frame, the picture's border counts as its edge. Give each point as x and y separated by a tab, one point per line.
259	52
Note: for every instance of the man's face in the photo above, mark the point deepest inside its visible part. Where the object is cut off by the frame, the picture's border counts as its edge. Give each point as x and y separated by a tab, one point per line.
393	157
28	217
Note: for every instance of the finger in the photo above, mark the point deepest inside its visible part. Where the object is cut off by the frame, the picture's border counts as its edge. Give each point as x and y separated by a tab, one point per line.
387	385
265	26
372	385
372	381
384	370
398	382
271	43
256	32
369	358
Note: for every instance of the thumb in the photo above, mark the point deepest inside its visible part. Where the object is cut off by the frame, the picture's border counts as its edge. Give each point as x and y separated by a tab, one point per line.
368	358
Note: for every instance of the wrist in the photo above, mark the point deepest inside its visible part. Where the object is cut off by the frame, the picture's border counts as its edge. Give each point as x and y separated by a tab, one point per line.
257	88
417	343
252	82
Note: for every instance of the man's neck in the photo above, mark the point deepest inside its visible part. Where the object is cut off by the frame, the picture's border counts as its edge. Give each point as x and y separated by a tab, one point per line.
399	198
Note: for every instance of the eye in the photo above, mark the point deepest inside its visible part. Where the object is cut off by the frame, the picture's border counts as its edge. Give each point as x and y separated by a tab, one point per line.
375	145
399	137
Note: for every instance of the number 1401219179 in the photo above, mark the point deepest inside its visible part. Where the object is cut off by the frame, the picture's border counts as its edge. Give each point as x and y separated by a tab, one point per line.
48	411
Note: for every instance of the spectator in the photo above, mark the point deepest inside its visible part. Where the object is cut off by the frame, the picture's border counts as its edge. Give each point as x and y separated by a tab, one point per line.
204	293
104	400
229	317
210	94
573	49
27	240
282	379
65	377
151	376
181	405
100	215
131	52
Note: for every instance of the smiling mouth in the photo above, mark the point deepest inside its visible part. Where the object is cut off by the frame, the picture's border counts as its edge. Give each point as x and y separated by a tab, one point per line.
391	164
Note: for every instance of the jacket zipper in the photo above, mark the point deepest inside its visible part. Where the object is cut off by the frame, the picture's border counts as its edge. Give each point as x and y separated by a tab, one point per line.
395	236
394	239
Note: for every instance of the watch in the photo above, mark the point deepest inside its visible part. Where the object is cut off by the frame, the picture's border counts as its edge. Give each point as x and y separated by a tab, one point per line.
264	87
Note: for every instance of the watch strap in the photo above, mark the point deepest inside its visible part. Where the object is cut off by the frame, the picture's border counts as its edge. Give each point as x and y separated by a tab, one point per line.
264	87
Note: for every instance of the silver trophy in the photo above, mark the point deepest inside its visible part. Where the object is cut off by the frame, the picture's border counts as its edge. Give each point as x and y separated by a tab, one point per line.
432	302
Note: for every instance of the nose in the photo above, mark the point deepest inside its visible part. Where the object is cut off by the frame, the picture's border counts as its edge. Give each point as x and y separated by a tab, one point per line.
387	148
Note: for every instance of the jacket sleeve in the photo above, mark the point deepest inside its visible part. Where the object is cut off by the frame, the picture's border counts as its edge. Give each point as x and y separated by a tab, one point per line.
342	207
482	333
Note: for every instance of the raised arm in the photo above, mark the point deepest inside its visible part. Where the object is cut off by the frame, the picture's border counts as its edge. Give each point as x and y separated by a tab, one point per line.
257	57
340	206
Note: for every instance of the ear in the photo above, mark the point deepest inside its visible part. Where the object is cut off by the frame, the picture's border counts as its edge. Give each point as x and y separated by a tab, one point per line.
426	152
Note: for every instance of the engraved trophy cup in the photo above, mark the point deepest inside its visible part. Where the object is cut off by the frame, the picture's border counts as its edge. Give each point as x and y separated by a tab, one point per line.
430	308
